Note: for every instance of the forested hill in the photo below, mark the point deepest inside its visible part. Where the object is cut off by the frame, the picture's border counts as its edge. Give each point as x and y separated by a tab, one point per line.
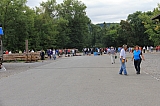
108	24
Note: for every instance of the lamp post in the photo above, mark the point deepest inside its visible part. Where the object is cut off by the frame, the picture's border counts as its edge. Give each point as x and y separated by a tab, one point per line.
1	46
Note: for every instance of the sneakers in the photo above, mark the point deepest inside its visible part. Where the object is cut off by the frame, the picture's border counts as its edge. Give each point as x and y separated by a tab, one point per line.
122	74
137	72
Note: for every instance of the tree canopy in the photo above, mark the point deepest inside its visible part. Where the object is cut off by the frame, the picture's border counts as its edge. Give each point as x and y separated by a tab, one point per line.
66	25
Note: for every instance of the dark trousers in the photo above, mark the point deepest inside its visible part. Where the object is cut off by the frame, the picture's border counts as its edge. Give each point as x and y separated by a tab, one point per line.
137	65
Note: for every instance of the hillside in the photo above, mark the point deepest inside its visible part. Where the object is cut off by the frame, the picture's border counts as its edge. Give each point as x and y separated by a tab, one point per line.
108	24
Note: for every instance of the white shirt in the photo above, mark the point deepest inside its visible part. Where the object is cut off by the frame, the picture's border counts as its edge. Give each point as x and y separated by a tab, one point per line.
72	50
123	54
10	52
147	48
144	48
98	50
54	52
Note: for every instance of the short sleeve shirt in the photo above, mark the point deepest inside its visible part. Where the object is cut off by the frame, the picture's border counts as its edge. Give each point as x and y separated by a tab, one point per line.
136	54
112	51
123	54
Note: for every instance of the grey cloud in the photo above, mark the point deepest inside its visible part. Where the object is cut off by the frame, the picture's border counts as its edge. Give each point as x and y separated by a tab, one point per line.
115	13
110	10
109	18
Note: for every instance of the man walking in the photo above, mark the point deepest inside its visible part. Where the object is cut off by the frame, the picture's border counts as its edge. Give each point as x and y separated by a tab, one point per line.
51	54
54	54
42	54
73	52
144	49
123	60
113	54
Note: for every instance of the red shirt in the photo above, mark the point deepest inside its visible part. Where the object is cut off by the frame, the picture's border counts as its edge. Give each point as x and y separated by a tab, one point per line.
7	52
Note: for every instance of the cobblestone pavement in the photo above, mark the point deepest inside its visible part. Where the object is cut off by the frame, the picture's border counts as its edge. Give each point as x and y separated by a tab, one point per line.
151	65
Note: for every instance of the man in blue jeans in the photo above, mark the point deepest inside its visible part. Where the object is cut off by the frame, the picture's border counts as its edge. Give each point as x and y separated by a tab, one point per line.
123	60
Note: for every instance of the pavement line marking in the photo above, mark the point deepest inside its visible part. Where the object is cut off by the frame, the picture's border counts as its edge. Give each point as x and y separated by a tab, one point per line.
152	76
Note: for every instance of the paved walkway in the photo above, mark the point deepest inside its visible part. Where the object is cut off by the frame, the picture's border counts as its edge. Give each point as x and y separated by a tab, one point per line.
80	81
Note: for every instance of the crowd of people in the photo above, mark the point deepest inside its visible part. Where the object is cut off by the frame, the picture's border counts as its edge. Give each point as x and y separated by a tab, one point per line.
137	52
148	49
10	52
54	53
98	51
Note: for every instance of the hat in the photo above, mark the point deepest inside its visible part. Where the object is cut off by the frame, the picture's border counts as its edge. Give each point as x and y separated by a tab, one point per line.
124	46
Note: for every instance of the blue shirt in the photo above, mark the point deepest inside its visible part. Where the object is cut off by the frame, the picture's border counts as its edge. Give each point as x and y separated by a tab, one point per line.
136	54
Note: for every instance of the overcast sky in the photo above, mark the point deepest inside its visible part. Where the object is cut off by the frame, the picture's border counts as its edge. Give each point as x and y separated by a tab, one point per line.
100	11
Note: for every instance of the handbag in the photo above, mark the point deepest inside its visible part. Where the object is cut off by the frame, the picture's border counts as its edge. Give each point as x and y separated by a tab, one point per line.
115	57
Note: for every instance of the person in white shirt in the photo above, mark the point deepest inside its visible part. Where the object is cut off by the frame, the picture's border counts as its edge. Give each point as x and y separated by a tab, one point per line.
54	54
32	51
113	53
144	49
73	52
147	49
123	60
10	52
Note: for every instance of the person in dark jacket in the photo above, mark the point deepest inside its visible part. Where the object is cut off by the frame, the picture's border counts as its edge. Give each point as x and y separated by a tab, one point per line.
42	54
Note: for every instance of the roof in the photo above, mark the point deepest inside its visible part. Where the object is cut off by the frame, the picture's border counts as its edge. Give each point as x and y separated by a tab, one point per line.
157	17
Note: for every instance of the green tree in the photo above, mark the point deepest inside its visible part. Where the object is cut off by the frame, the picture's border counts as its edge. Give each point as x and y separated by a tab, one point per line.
45	24
61	38
15	22
125	34
138	29
74	12
152	26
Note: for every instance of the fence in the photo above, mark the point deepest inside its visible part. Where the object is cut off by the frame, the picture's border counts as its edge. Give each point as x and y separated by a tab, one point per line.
22	56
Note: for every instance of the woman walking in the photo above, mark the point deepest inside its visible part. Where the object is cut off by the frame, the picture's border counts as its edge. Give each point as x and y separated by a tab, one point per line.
137	56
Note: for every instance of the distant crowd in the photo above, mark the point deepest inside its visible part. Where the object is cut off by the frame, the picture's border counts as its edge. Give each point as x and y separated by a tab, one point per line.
100	51
54	53
10	52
